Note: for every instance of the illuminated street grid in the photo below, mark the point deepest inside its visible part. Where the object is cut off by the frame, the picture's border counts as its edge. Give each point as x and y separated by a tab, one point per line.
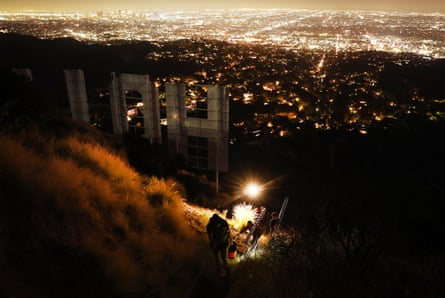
416	33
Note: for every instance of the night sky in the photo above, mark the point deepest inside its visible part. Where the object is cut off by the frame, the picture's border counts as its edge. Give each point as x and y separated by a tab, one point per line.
82	5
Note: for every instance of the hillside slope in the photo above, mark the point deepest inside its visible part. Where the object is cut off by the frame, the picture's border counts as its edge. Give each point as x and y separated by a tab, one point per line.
77	221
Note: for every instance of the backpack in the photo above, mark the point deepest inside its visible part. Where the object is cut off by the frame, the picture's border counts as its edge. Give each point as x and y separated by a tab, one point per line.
220	230
231	252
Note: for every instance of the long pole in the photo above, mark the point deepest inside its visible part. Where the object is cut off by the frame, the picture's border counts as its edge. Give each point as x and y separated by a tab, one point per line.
283	209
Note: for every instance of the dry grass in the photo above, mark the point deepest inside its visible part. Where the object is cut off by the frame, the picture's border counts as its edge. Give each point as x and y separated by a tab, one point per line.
82	198
77	221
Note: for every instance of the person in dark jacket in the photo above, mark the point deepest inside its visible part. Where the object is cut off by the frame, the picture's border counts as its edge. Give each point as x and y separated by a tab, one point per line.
256	231
274	224
218	232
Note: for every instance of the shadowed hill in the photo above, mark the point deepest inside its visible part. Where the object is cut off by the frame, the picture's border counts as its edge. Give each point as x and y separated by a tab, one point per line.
48	58
77	221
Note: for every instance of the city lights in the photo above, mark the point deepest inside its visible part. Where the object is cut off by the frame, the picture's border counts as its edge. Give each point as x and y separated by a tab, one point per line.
167	169
394	32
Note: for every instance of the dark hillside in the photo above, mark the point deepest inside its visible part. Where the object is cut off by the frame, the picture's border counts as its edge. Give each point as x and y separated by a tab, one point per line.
79	219
48	59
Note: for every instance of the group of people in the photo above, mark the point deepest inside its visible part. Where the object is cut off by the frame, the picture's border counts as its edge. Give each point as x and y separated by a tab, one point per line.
220	238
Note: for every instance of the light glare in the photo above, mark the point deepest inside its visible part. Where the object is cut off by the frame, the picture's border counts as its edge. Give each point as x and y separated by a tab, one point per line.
242	213
252	190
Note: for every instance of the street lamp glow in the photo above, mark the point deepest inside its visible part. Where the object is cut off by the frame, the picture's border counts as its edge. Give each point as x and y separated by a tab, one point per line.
253	190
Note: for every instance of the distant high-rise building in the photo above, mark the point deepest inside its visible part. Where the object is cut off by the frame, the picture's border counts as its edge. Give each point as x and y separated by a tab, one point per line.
135	107
198	124
77	95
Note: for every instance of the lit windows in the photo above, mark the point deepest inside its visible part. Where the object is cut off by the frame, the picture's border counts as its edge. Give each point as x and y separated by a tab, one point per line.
196	102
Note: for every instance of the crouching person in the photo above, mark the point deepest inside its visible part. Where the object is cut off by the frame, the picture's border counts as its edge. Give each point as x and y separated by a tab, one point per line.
220	239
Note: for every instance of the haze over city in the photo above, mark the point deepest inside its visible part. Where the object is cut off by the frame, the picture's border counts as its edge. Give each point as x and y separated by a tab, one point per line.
82	5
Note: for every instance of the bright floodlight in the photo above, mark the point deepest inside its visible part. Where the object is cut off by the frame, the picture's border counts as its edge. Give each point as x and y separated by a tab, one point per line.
242	213
252	190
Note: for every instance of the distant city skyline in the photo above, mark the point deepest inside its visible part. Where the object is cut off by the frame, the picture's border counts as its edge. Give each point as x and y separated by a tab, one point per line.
84	5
